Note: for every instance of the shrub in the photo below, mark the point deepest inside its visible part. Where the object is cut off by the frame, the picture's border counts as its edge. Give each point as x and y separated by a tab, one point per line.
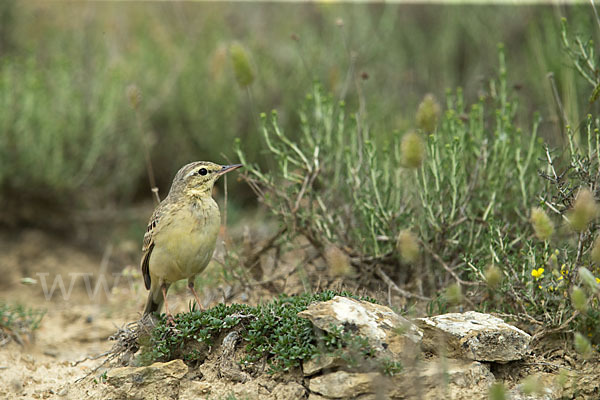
337	184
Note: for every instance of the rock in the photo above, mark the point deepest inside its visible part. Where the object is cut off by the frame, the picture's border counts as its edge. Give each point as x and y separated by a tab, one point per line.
193	390
254	389
342	384
228	367
461	373
386	330
440	379
314	396
290	390
474	336
319	363
157	381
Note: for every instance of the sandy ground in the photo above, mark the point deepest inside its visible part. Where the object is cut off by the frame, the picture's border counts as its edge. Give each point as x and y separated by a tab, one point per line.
87	296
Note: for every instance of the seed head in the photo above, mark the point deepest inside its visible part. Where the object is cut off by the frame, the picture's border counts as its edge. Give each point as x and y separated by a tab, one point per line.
244	74
134	95
338	262
588	279
584	210
493	276
542	224
412	150
454	294
428	113
595	253
408	246
218	61
578	299
582	345
532	385
497	391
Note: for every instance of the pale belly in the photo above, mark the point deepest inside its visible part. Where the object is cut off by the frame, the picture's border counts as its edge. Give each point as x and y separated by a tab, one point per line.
184	249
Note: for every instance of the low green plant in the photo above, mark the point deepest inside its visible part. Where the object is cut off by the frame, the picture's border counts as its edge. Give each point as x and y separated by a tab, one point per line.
271	332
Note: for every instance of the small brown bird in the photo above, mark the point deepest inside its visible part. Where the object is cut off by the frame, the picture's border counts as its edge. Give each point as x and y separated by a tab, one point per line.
182	233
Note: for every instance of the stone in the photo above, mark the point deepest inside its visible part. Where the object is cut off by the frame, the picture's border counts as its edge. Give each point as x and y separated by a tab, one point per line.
474	336
461	373
440	379
319	363
314	396
156	381
290	390
228	367
386	331
193	390
342	384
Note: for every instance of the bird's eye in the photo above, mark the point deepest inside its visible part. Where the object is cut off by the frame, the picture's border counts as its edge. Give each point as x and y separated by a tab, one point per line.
202	171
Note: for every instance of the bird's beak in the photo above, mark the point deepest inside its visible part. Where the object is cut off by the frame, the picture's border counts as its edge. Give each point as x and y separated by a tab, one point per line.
227	168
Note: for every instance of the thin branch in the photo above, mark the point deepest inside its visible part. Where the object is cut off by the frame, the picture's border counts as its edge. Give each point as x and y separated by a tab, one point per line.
545	332
395	287
97	356
447	267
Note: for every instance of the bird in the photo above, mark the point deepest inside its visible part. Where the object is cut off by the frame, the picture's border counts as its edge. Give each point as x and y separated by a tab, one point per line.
182	233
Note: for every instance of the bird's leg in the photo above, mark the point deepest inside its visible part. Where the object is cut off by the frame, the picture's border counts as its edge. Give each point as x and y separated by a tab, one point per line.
170	320
191	286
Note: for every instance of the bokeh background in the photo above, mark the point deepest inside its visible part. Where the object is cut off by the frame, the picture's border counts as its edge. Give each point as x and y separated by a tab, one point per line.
72	141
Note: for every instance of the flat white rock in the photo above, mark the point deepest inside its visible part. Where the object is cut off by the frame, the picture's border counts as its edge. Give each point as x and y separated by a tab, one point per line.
385	329
474	336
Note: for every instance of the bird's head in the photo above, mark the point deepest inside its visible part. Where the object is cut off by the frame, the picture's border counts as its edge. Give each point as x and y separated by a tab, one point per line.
198	178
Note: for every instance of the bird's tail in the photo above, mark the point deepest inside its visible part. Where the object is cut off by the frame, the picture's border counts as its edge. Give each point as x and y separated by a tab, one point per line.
155	300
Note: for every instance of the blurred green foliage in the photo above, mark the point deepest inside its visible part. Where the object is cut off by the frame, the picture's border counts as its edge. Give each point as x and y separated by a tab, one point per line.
69	135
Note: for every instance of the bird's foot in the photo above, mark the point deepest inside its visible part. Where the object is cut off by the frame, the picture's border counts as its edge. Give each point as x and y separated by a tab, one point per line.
198	303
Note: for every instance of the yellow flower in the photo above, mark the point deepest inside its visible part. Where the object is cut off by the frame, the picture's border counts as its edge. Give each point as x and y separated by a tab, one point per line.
597	280
563	270
537	273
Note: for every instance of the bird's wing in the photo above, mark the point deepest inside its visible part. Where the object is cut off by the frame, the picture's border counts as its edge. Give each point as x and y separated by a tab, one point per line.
151	230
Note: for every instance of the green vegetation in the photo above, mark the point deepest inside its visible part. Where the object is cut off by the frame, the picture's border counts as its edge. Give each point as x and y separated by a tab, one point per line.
271	332
465	189
70	136
474	181
18	322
